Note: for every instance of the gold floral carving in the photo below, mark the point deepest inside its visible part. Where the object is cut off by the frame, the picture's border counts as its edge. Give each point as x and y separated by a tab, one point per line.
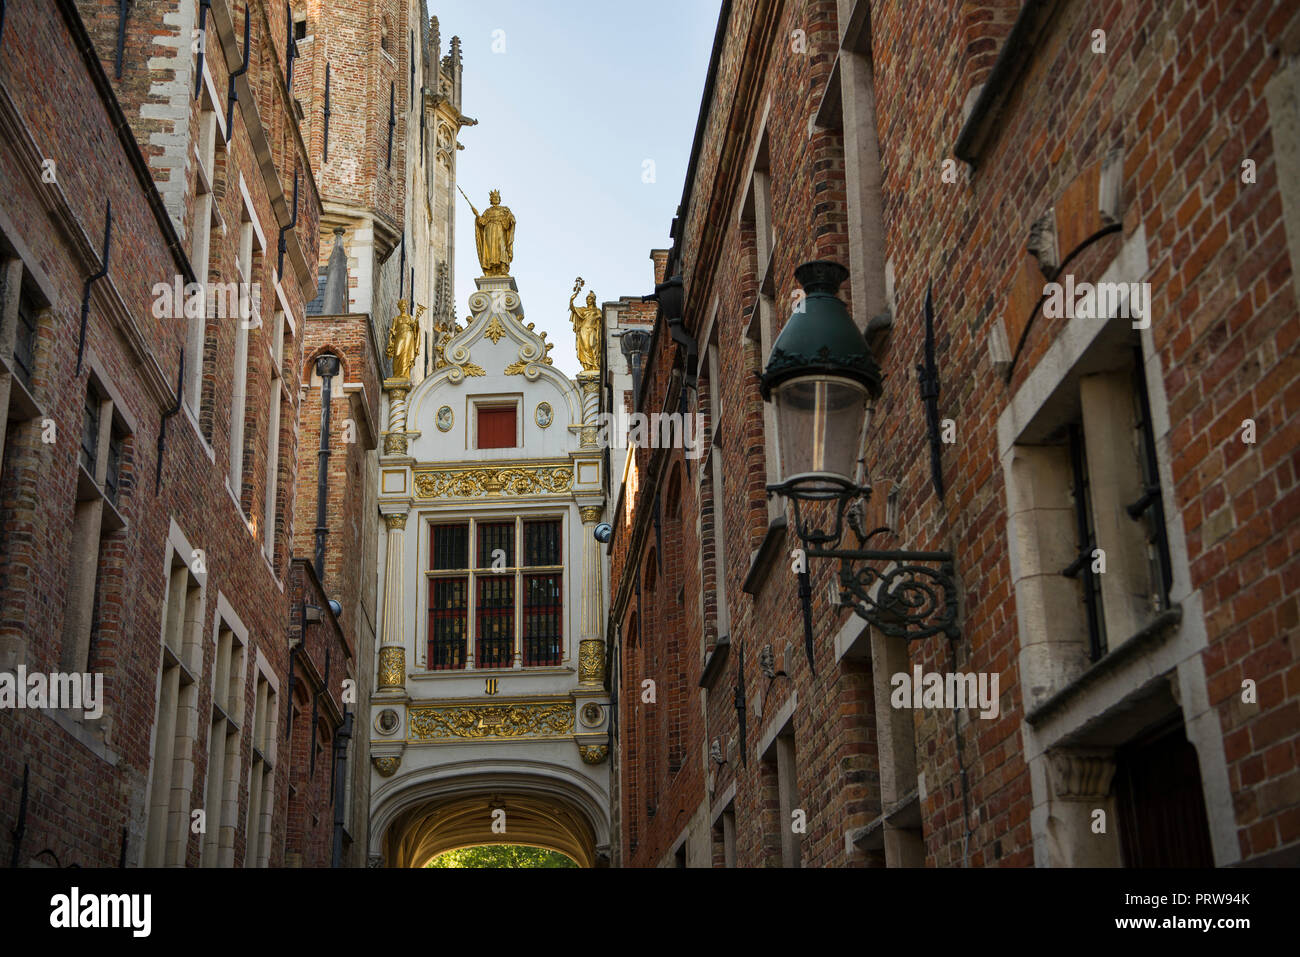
511	480
532	720
517	368
472	371
395	443
591	661
392	667
593	753
590	513
387	767
396	520
495	331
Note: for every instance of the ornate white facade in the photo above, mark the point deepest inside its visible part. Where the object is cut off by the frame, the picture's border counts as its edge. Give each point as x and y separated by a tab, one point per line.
490	720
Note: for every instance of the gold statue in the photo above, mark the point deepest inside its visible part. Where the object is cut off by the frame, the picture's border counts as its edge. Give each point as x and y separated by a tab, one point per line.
404	339
494	234
586	327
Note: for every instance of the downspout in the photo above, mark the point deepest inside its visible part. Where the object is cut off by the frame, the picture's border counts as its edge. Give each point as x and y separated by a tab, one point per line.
341	739
327	367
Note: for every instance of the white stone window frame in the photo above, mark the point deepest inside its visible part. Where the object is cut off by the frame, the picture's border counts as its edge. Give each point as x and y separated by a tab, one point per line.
494	516
755	208
263	729
491	402
252	248
167	842
211	139
221	820
1176	652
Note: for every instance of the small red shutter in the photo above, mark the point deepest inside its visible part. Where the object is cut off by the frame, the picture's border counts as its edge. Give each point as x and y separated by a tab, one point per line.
496	428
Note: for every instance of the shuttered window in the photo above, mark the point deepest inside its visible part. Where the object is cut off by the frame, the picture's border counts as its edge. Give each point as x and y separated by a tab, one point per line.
496	428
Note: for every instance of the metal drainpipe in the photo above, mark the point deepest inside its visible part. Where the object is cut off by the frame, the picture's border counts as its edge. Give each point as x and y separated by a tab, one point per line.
341	739
327	367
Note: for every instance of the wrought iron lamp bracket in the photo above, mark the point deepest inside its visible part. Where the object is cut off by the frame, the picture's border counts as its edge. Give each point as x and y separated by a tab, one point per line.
916	596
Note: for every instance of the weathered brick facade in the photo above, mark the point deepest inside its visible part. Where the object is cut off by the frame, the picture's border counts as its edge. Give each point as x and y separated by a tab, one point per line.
884	137
197	596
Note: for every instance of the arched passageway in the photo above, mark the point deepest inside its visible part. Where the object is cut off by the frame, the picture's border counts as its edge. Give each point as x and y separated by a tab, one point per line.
418	820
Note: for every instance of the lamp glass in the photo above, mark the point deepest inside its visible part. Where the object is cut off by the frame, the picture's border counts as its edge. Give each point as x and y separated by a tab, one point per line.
820	421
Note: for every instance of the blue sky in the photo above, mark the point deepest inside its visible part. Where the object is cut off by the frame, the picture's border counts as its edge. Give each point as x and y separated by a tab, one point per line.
585	92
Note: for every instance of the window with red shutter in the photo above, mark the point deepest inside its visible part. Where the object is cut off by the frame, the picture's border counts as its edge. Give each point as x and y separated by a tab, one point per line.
496	428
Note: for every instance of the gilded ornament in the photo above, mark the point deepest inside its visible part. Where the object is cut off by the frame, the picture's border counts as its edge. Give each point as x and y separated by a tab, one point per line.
508	481
586	328
396	520
591	661
517	368
494	235
392	667
404	339
387	767
446	419
495	331
544	415
593	753
451	722
395	443
590	513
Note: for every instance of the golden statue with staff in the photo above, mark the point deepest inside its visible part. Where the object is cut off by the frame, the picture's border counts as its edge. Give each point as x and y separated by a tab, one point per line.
586	327
404	339
494	235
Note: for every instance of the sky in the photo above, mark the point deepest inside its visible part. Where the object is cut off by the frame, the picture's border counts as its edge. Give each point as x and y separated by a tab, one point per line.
587	112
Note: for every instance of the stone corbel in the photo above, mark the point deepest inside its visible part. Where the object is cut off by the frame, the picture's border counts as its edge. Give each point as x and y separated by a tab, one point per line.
1081	775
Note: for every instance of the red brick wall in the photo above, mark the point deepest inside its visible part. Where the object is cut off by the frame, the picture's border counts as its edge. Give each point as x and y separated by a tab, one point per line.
1180	91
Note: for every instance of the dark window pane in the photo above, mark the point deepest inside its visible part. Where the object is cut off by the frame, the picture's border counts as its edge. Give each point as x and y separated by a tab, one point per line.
495	622
112	476
448	617
25	340
450	547
543	620
542	542
90	432
493	537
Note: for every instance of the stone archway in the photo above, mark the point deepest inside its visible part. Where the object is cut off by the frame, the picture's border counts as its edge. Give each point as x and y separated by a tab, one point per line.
426	830
429	814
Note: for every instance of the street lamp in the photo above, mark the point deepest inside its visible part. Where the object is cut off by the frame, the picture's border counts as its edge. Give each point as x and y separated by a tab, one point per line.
823	383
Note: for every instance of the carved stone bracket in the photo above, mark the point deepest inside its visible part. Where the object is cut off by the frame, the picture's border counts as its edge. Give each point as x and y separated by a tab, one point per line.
387	766
1081	775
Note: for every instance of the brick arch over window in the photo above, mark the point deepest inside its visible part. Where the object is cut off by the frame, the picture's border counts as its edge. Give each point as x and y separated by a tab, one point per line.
985	25
673	496
309	363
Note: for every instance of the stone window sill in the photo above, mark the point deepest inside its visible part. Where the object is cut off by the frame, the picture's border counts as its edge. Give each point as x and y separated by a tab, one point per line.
1155	633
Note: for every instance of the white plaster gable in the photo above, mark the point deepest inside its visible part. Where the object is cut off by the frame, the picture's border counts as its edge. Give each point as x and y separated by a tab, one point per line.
497	340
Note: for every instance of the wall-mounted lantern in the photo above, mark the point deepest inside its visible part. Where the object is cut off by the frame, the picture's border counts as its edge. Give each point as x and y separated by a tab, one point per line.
824	382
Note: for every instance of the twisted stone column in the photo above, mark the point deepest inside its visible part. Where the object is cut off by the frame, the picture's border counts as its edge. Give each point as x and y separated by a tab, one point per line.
591	648
395	441
392	649
589	383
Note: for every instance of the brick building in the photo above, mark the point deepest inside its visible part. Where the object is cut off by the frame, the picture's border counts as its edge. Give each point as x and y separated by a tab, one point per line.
1119	493
159	522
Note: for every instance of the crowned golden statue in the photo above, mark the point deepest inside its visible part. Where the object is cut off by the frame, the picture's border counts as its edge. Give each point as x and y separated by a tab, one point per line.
494	235
586	328
404	339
